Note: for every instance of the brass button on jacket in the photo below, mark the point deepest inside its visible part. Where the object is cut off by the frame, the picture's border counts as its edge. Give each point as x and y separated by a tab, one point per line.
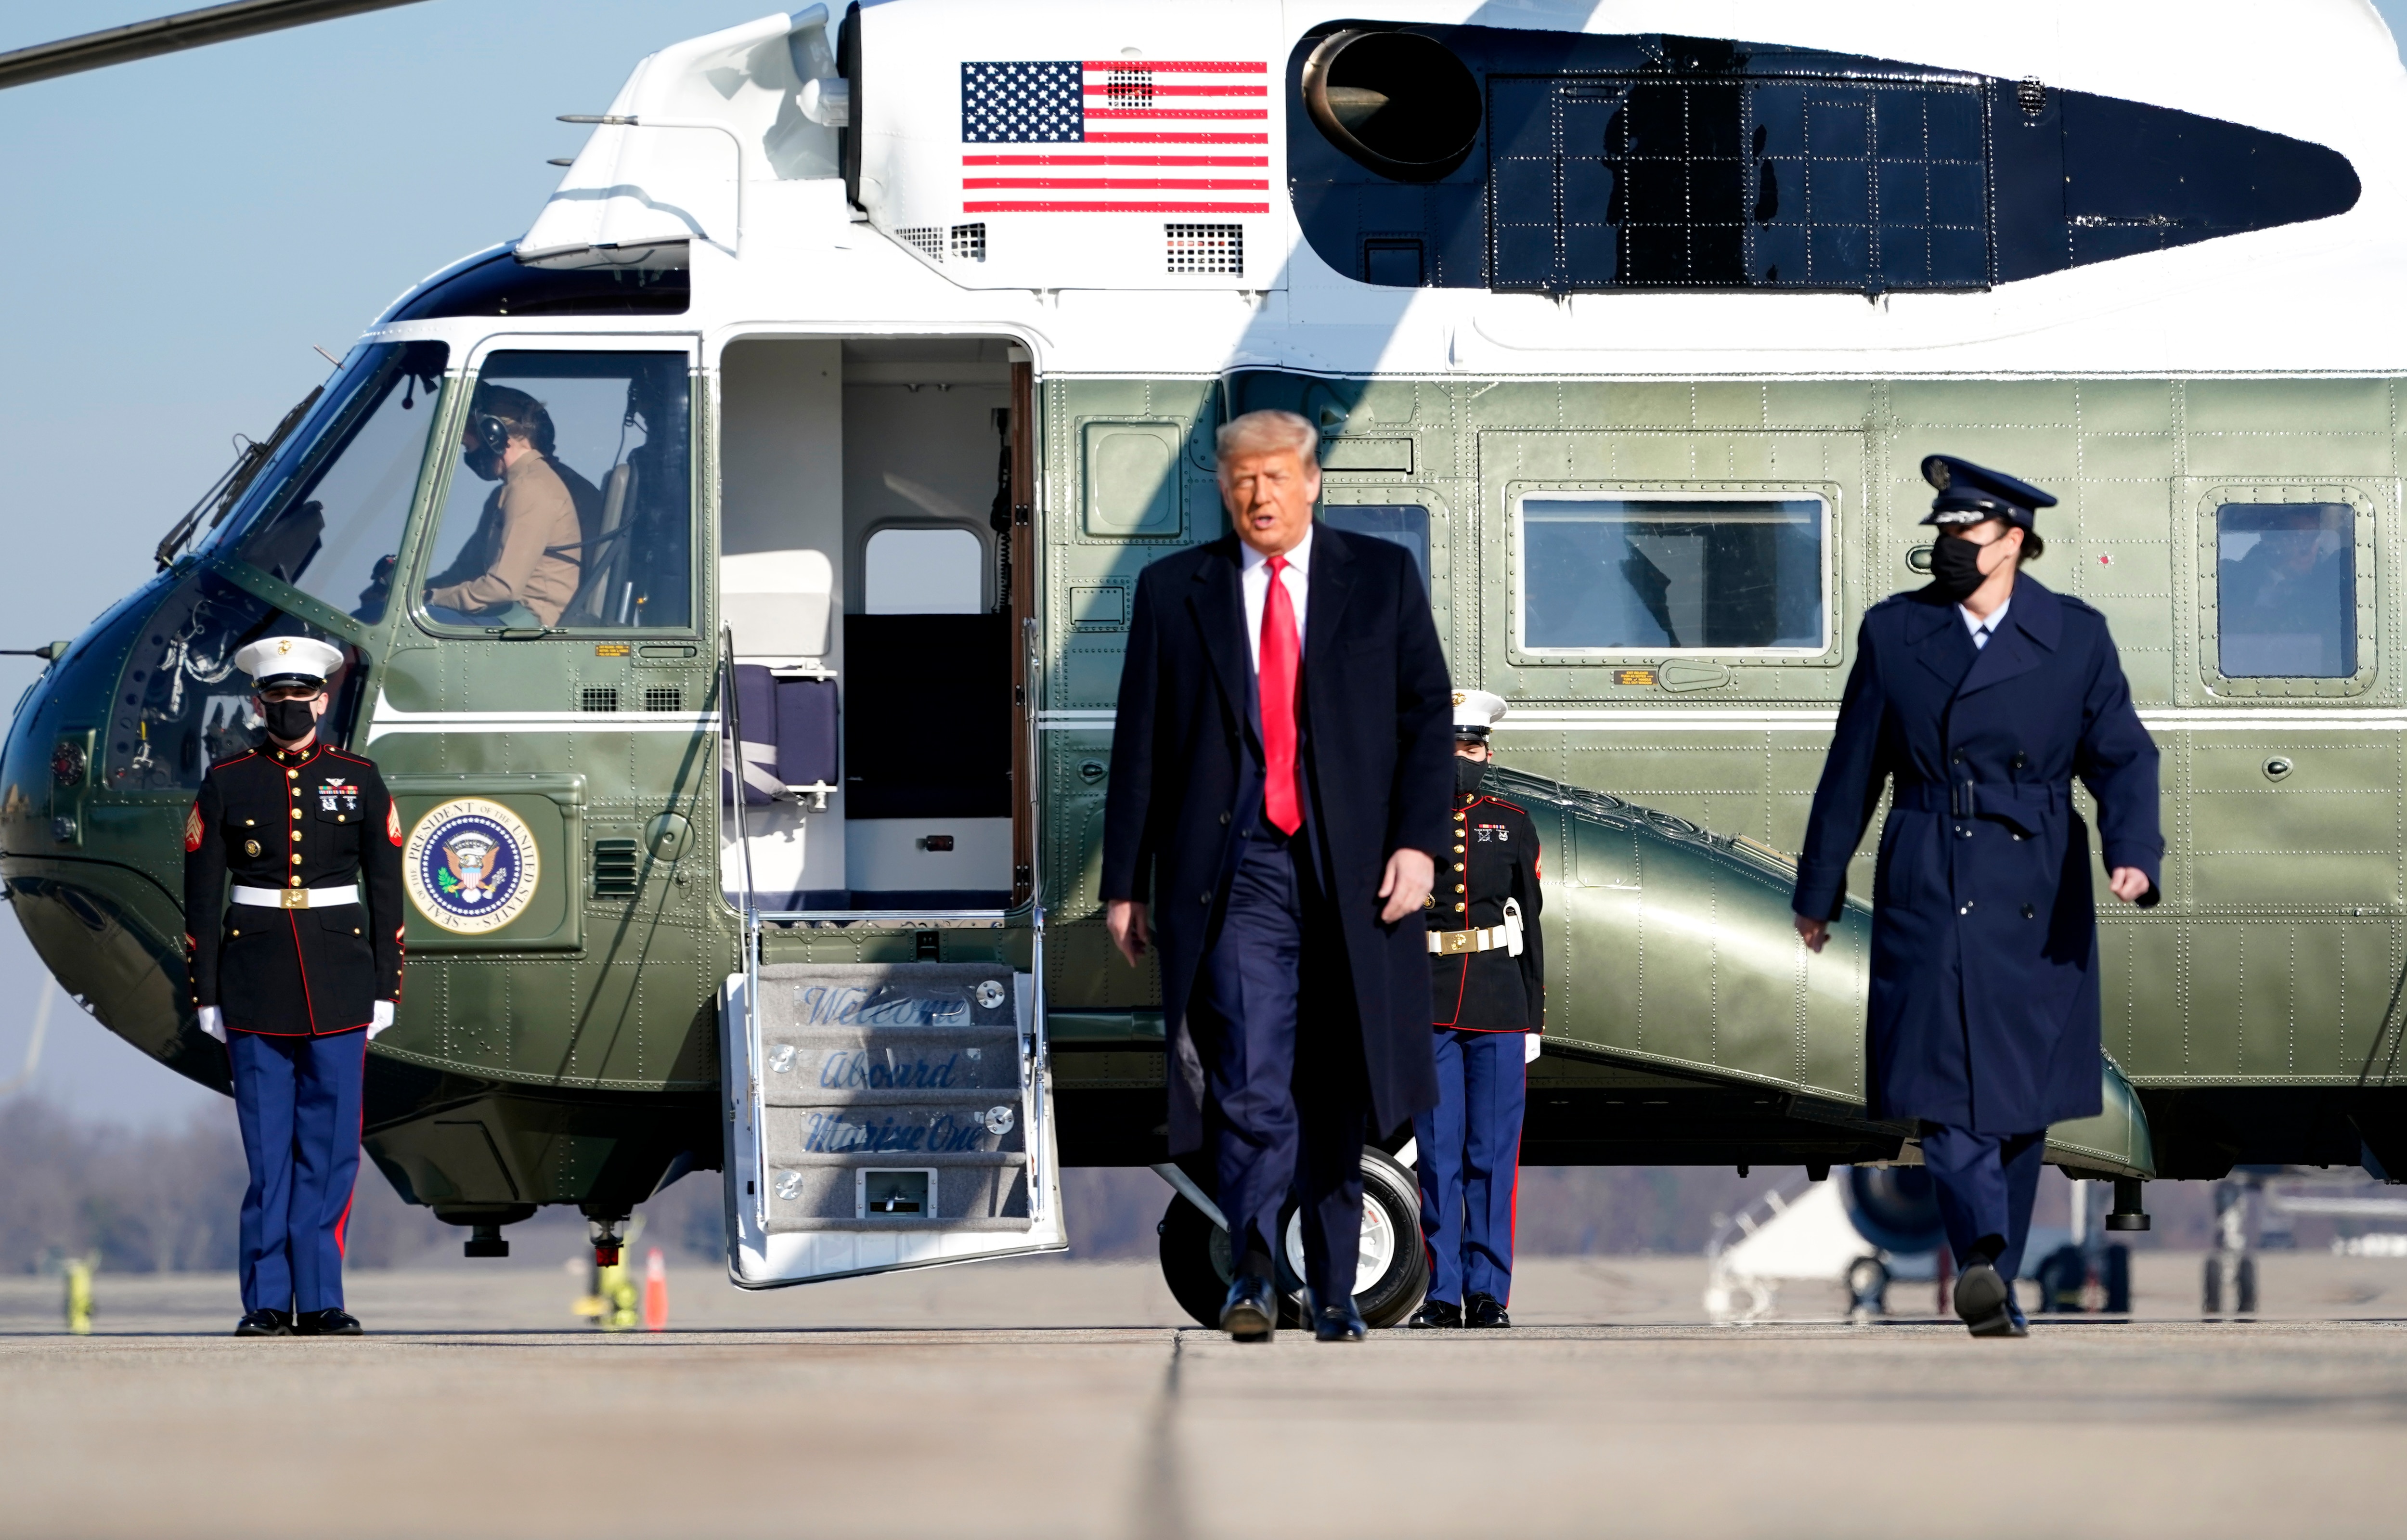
306	971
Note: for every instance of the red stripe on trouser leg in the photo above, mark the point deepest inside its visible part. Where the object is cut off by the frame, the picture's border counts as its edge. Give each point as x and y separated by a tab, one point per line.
343	1225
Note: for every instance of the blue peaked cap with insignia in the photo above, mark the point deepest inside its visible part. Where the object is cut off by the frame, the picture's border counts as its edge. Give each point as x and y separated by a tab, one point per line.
1968	494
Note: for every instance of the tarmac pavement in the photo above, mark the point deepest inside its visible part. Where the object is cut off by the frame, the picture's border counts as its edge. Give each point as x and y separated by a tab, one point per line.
1061	1399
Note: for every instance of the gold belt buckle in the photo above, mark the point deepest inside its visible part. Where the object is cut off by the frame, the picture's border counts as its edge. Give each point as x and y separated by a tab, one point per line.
292	898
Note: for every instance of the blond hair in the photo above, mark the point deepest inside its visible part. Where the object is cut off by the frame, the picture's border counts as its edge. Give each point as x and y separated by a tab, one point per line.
1263	432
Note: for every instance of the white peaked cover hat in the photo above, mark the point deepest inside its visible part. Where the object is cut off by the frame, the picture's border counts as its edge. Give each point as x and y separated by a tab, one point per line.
275	660
1475	712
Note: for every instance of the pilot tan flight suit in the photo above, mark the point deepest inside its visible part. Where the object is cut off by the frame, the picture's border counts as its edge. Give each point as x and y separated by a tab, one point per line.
526	548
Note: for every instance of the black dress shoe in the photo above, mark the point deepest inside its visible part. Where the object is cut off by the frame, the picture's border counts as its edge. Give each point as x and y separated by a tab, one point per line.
1339	1323
1484	1310
1985	1303
265	1323
1435	1313
327	1323
1250	1313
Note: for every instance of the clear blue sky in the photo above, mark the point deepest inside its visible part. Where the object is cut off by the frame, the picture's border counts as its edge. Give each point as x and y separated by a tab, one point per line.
182	232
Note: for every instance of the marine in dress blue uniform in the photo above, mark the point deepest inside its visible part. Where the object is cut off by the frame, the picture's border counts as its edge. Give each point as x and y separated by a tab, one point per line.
294	970
1488	1003
1982	697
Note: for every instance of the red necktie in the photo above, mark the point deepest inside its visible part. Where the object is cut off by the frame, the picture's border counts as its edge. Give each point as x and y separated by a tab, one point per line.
1281	803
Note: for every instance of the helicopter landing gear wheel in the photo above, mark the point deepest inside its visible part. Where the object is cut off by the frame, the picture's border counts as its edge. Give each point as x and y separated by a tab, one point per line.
1389	1282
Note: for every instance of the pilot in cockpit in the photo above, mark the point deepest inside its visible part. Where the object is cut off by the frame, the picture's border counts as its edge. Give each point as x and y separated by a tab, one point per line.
523	564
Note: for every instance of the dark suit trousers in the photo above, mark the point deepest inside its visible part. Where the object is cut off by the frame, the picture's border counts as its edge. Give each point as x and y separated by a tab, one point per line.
1987	1183
1284	1070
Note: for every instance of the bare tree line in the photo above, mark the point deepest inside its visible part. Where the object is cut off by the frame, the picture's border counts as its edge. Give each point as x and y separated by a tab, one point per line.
160	1200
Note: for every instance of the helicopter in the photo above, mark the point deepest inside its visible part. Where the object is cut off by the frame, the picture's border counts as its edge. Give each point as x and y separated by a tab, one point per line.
889	341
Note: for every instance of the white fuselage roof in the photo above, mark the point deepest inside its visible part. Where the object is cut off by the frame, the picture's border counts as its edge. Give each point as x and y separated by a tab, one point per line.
1087	293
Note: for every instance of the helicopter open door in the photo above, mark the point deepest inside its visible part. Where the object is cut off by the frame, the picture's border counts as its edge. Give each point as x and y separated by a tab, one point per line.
883	1051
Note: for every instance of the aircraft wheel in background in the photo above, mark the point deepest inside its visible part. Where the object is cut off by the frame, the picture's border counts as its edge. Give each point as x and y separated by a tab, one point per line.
1197	1265
1867	1289
2117	1280
1195	1260
1393	1276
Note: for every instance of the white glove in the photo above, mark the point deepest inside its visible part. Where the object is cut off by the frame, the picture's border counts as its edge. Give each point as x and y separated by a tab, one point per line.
379	1019
213	1023
1528	1048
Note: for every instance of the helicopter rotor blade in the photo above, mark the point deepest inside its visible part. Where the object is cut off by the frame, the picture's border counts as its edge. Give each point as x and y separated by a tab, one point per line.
173	34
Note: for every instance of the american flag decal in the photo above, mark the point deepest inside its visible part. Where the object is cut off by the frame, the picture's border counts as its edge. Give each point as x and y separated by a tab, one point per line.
1169	136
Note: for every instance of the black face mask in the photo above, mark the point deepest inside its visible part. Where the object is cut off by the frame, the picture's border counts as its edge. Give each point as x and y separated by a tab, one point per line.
482	464
1955	569
289	720
1467	773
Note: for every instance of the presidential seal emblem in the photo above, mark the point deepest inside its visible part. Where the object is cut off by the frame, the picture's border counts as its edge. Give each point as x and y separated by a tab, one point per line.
470	866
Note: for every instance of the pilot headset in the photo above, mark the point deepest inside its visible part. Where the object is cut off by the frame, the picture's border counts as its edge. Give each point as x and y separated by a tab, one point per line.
492	438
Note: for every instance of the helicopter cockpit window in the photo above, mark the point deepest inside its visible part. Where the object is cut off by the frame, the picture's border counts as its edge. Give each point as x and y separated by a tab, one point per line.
2285	590
570	507
181	705
1604	574
333	523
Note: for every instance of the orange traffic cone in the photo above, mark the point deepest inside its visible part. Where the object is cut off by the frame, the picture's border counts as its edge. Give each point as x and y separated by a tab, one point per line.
656	1293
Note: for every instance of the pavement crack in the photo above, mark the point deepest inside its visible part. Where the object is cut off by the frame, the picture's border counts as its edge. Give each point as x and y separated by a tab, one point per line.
1160	1493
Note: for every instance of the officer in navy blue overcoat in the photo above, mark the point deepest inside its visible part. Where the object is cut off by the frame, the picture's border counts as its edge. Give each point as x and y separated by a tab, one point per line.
1982	697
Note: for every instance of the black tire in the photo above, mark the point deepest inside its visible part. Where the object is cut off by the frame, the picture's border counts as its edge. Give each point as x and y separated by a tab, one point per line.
2247	1286
2118	1280
1391	1196
2063	1273
1196	1263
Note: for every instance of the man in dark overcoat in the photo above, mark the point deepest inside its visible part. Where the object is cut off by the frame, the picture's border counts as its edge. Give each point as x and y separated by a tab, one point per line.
1982	697
1281	770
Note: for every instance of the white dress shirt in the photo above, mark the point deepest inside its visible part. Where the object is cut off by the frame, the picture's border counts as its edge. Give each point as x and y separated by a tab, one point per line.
1254	579
1980	628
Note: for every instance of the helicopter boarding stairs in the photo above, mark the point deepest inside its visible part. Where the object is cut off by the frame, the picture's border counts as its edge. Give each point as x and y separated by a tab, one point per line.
879	1115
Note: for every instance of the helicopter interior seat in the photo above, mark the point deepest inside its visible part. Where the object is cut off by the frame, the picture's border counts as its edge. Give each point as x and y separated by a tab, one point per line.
604	552
777	606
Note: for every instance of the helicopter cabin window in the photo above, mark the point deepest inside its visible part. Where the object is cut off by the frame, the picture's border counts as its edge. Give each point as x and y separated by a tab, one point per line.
569	508
181	705
330	516
1405	524
923	572
2285	590
1607	574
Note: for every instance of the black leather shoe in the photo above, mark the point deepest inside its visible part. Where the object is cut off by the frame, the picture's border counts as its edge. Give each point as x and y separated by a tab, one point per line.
1435	1313
1985	1303
327	1323
1250	1313
1339	1323
1484	1310
265	1323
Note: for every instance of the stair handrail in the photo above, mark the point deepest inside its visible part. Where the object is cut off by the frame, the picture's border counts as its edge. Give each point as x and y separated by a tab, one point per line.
732	746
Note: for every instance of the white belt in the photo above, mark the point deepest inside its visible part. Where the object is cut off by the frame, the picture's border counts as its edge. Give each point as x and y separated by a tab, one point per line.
297	898
1483	939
